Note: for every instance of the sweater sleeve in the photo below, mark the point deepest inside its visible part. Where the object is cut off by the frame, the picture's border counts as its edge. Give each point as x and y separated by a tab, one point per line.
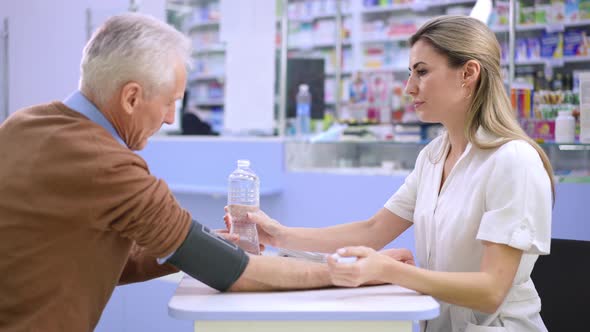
138	206
141	266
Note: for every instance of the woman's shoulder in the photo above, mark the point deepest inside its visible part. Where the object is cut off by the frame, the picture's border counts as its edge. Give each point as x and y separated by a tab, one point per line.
517	150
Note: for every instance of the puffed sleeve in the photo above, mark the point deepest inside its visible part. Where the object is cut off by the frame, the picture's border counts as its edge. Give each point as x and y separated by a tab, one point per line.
518	200
403	201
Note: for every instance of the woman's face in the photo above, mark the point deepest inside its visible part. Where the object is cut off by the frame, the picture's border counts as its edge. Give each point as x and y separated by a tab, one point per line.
436	88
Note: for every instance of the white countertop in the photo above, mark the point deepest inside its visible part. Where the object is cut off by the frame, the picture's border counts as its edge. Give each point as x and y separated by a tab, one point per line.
196	301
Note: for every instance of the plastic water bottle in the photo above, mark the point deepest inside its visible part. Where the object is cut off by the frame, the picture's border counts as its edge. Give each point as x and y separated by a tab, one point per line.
243	196
303	126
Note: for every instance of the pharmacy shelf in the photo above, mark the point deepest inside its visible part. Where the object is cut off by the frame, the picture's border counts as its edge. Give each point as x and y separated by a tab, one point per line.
206	77
500	29
385	39
399	69
560	62
345	43
558	27
315	17
203	24
209	50
416	6
342	72
209	103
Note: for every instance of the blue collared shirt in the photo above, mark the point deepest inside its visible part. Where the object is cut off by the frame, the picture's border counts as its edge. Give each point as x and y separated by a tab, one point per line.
79	103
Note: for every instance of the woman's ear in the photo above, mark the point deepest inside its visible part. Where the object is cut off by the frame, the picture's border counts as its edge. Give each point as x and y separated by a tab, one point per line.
471	72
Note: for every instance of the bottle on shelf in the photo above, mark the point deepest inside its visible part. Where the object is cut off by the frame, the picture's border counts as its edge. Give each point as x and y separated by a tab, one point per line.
557	83
243	196
565	127
303	110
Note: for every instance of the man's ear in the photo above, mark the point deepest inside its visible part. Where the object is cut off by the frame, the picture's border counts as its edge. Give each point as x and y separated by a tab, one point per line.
471	72
130	96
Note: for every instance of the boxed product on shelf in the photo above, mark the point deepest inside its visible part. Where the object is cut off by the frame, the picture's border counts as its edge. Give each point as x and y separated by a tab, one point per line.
542	13
376	55
526	15
500	14
203	40
528	48
400	25
538	129
575	43
557	12
302	10
358	89
572	11
552	45
584	9
576	79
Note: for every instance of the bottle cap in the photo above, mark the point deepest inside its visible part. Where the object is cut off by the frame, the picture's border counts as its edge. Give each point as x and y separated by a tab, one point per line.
243	163
303	87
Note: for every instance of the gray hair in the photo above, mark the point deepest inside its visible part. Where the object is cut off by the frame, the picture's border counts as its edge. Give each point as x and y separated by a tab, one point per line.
132	47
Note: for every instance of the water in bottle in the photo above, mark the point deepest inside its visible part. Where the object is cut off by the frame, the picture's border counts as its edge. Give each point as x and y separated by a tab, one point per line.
303	126
243	196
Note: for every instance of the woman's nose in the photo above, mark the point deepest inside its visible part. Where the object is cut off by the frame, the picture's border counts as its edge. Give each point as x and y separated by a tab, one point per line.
410	88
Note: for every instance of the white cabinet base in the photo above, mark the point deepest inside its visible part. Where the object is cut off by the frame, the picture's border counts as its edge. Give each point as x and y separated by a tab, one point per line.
310	326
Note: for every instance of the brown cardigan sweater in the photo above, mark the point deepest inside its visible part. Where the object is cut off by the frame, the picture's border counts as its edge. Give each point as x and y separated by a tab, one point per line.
79	214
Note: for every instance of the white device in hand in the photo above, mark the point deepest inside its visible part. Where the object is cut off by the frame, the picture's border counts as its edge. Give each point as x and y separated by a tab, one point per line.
340	259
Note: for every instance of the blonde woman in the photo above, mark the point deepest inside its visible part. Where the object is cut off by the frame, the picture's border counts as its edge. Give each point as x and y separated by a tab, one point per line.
479	198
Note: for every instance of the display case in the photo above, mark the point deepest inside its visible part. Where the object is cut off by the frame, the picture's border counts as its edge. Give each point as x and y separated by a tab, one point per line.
571	162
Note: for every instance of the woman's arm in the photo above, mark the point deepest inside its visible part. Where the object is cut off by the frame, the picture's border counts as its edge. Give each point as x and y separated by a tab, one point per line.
483	291
375	233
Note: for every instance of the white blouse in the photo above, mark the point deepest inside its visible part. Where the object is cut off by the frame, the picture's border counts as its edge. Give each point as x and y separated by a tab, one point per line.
502	195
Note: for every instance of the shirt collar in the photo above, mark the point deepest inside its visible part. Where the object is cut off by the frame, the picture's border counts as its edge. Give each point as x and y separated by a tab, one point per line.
481	135
79	103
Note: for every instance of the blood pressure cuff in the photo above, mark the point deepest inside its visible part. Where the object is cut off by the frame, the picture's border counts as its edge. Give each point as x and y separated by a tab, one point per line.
209	258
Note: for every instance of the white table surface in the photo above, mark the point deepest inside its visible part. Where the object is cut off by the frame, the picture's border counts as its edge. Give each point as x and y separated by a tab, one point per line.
195	301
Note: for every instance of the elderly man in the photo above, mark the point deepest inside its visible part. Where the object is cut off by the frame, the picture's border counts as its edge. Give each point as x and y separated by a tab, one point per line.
81	213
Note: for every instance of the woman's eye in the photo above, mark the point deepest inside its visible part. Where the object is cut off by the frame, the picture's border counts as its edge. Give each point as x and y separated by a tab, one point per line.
421	72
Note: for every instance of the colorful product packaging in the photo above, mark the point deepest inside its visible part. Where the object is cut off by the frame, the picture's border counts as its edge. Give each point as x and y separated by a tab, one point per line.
572	11
575	43
584	9
552	45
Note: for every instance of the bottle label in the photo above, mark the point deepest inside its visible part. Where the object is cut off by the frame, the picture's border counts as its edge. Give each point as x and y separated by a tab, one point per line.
303	109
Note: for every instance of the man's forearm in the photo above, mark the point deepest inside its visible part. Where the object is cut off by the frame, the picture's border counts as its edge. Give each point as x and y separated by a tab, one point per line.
265	273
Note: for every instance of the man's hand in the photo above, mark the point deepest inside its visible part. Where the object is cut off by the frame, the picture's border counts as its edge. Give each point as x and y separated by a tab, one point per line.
224	233
269	230
233	238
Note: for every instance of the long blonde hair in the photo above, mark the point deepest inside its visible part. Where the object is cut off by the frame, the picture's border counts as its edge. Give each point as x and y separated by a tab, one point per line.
460	39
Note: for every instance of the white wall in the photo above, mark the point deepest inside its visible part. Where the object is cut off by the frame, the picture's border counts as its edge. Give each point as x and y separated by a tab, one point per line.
46	42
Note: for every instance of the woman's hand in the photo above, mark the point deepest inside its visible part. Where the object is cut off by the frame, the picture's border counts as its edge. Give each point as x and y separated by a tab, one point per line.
402	255
366	270
269	230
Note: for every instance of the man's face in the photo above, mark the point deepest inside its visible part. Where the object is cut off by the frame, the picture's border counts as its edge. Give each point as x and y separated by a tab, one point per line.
150	114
